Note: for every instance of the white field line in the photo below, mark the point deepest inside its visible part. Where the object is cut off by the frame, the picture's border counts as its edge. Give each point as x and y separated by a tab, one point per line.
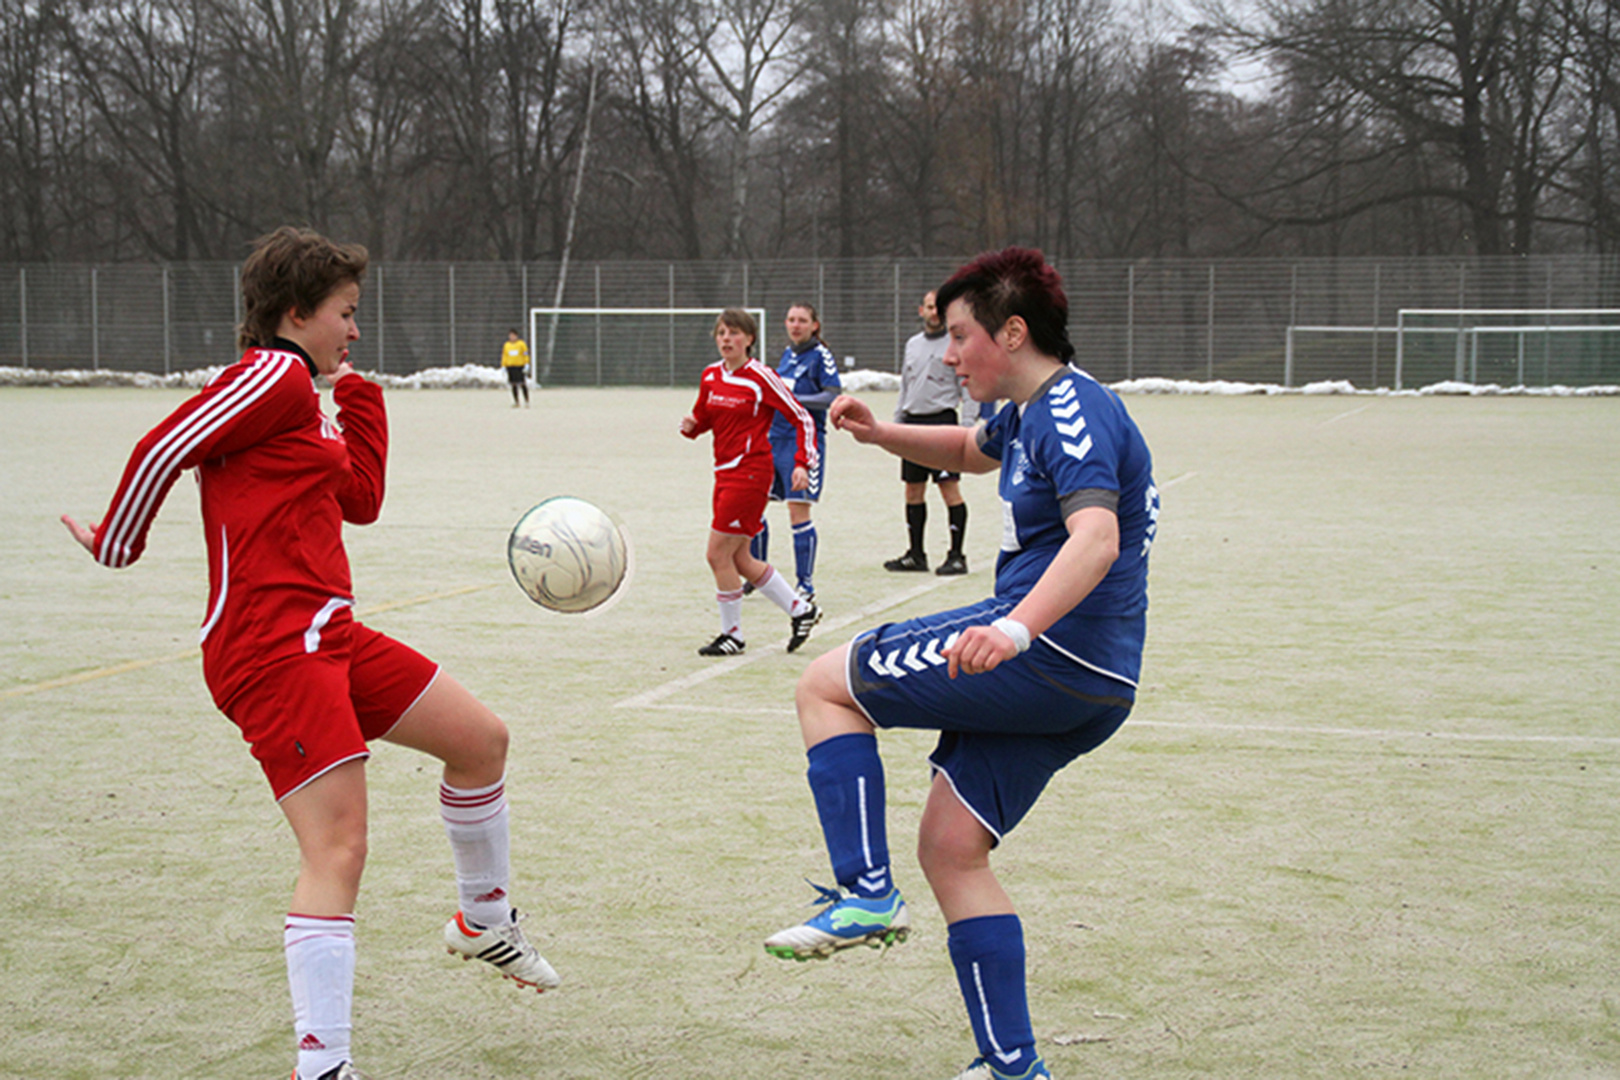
188	654
1380	733
725	667
786	711
1341	416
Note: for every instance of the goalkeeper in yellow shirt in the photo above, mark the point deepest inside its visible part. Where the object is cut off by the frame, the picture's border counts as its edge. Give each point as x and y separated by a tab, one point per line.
515	362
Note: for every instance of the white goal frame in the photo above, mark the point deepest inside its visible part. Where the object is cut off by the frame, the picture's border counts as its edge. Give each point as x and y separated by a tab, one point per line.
1468	334
536	314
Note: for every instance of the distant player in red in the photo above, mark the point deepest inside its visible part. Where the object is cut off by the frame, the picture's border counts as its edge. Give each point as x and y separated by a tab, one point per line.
737	399
283	656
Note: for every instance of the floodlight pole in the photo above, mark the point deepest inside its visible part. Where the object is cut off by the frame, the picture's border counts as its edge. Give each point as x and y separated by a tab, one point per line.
573	213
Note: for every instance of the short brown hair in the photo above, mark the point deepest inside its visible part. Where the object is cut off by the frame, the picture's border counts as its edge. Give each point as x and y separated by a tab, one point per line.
739	319
292	269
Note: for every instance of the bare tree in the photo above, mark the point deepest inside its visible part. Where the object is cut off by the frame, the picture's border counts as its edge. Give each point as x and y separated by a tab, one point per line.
34	114
1594	175
1072	45
539	129
918	105
293	64
144	65
748	50
659	99
386	123
1469	82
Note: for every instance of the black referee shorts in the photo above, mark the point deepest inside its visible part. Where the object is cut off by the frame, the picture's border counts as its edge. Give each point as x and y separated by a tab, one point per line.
913	473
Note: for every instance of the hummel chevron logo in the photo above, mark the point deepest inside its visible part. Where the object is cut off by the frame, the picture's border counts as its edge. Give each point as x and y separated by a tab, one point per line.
1071	430
1078	450
920	656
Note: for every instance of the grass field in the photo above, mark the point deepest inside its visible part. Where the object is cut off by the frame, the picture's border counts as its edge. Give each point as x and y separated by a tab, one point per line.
1365	821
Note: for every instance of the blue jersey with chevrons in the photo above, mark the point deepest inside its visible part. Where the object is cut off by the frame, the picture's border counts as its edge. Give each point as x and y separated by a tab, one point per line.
812	374
1075	435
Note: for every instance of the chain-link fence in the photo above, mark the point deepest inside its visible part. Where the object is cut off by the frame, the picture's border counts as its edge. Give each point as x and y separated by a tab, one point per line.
1177	319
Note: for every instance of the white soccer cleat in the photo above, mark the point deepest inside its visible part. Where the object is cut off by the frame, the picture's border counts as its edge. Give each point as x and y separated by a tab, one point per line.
503	946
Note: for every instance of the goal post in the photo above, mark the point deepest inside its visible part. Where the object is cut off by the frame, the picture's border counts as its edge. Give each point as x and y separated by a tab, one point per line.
1505	346
626	346
1518	346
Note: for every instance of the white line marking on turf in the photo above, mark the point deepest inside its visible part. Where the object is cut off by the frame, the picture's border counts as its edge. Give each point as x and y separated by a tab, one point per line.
1177	480
1375	733
724	667
187	654
1241	729
1341	416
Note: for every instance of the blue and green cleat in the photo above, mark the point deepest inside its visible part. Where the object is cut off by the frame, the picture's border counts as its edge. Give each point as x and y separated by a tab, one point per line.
845	921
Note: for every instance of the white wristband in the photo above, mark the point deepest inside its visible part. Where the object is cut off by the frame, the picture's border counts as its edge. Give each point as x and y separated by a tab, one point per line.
1015	630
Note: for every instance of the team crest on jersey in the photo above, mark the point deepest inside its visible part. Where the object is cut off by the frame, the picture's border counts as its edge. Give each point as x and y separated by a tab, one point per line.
1020	462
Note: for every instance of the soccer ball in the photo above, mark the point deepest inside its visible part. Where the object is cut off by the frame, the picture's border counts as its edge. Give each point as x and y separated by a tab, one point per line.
568	555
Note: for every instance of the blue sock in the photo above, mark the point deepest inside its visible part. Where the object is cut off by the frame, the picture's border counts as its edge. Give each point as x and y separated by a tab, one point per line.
846	778
988	953
804	554
760	543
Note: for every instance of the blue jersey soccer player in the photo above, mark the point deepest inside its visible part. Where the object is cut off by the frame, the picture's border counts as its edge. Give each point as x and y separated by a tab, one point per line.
810	370
1018	685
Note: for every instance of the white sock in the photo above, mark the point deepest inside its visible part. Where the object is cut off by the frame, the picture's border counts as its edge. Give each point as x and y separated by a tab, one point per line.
731	612
476	821
774	587
320	974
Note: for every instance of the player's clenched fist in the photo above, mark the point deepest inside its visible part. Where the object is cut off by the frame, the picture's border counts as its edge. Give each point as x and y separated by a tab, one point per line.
853	415
979	649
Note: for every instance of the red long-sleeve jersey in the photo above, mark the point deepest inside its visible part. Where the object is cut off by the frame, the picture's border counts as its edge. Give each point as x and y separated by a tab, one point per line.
737	407
278	478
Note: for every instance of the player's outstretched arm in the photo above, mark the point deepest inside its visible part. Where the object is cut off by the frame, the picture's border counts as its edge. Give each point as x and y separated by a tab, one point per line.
84	534
932	445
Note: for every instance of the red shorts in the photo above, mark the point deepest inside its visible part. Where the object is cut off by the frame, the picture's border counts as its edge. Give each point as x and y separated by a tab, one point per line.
309	714
739	502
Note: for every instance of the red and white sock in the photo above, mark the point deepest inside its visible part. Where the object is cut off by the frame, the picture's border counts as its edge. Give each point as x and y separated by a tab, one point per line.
320	974
774	587
731	612
476	821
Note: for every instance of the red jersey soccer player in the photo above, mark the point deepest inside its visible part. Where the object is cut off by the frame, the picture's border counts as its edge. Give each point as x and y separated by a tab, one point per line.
282	653
736	400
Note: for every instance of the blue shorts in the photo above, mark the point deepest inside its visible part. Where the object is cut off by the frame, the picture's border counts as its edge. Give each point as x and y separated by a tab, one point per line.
782	455
1003	733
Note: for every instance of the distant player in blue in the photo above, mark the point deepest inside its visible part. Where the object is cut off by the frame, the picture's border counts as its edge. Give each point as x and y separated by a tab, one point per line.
1017	685
810	370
